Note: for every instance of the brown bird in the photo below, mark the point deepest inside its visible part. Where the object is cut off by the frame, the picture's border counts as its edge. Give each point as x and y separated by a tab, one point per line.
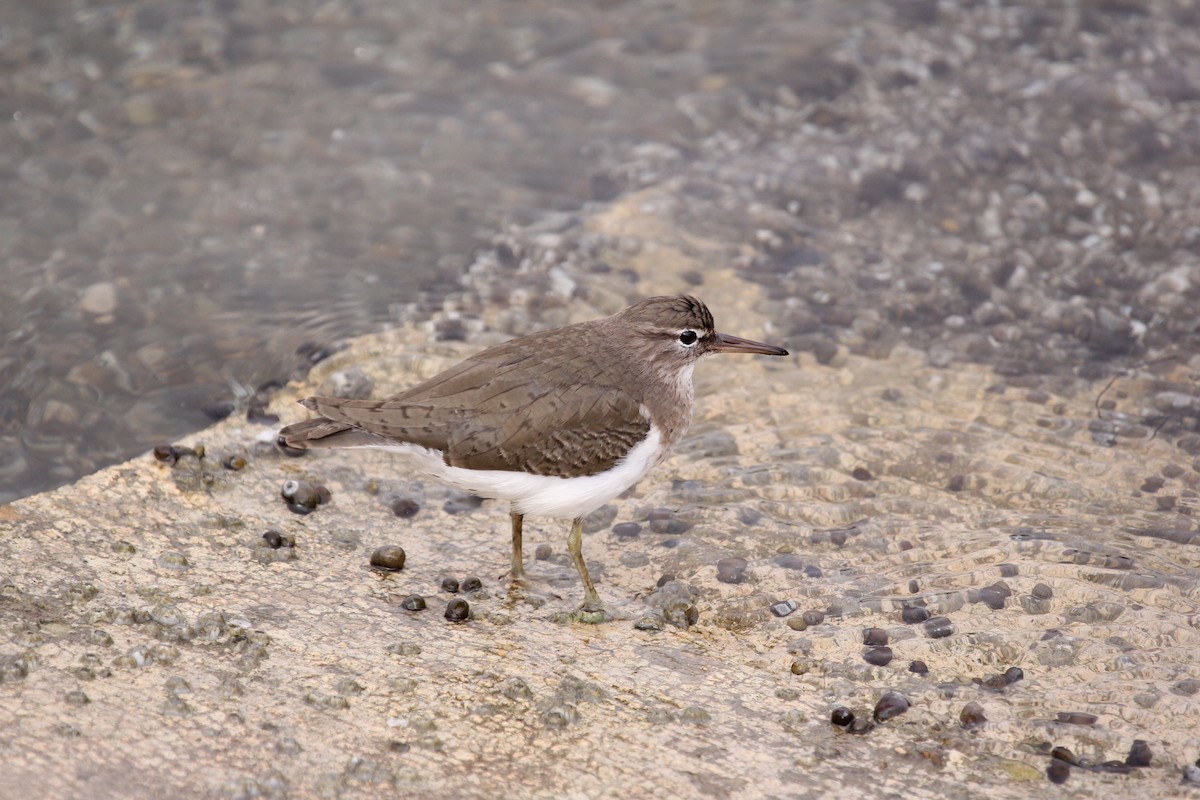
557	423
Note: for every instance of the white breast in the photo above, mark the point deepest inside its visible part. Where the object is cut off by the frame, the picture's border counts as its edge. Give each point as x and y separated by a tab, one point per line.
541	495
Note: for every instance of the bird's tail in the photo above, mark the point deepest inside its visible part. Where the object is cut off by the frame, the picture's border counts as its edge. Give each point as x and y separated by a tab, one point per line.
321	432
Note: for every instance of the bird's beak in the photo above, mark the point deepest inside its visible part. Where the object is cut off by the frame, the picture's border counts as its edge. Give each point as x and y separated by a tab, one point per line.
725	343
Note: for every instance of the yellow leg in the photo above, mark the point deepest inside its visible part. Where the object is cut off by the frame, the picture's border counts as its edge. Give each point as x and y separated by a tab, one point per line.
518	559
591	600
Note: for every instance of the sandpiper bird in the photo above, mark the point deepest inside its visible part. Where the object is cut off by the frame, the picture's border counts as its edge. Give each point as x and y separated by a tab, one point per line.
557	423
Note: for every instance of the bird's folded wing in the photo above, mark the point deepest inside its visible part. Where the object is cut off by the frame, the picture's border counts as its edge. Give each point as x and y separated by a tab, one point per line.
567	432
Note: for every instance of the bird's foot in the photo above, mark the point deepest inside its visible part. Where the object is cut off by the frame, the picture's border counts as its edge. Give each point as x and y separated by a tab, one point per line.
592	615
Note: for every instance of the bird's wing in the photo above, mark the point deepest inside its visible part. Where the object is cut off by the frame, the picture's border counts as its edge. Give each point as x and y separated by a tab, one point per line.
574	430
483	414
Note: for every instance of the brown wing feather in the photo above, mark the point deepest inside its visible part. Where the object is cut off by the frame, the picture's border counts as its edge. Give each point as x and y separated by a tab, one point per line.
584	423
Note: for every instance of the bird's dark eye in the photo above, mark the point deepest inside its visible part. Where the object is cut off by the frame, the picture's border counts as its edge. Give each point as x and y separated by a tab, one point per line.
688	337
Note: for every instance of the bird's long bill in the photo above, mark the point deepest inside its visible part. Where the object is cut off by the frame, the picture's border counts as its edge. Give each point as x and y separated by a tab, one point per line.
726	343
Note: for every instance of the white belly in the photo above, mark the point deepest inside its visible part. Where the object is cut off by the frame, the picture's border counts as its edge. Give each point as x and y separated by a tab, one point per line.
540	495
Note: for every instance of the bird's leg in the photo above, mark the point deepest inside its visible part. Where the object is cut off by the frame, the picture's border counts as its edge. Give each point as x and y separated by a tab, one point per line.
591	600
518	560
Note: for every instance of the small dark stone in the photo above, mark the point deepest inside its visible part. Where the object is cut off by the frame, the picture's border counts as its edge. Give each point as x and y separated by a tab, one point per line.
627	530
842	717
471	585
1042	592
664	580
913	586
914	614
731	570
462	504
874	637
457	610
862	474
450	585
414	602
234	463
399	747
1139	754
813	617
390	557
1063	754
783	608
274	539
405	507
860	726
219	410
301	497
919	667
956	484
166	454
543	552
1058	771
790	561
878	656
892	704
663	520
837	538
972	715
992	597
938	627
1076	718
800	667
1014	674
1009	571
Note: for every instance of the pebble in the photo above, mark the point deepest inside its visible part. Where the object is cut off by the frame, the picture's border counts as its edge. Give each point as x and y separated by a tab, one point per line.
301	497
874	637
938	627
414	602
389	557
450	585
914	614
457	610
627	530
1139	754
783	608
663	520
1058	771
813	617
273	539
919	667
405	507
99	299
234	463
1076	718
972	715
470	585
842	717
543	552
878	656
892	704
731	570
